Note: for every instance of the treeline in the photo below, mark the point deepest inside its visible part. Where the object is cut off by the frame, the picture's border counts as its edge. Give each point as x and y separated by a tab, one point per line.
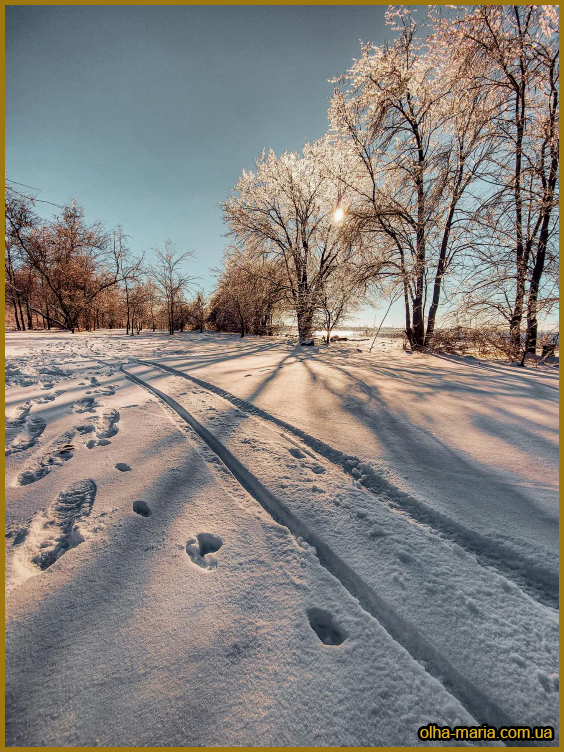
437	183
67	274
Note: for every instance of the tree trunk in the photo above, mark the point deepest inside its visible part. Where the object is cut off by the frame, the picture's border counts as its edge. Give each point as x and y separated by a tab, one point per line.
521	260
418	312
305	323
21	313
441	269
29	316
532	307
18	327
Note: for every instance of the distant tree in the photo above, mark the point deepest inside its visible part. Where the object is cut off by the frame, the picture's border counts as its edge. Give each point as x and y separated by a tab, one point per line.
339	297
197	311
251	290
73	260
170	279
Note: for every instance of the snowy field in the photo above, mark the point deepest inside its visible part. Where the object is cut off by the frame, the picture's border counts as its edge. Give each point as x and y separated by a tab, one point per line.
222	541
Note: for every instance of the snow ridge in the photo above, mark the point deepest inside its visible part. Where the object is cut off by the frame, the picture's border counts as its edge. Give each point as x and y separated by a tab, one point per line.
540	582
478	704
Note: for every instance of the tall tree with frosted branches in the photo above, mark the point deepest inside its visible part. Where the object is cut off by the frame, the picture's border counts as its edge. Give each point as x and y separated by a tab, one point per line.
417	144
285	210
512	53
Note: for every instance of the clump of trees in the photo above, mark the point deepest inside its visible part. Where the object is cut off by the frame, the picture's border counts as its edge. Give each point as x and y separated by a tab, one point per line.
438	175
68	274
436	181
249	294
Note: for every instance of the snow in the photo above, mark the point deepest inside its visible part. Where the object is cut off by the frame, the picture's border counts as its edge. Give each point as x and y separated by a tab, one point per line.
224	541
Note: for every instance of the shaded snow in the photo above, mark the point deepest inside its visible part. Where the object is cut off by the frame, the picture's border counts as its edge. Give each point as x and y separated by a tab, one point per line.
382	553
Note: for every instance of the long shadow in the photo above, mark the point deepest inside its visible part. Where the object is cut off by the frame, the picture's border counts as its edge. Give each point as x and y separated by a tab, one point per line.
75	617
445	471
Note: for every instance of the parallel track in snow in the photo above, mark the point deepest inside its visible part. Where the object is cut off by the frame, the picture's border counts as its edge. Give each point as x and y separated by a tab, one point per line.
482	707
537	581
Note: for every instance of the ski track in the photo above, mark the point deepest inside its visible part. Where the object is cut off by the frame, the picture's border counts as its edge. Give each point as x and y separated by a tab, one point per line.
539	582
481	706
51	533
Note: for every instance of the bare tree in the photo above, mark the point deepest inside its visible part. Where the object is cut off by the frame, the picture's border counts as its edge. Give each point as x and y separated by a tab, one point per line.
73	260
131	273
170	279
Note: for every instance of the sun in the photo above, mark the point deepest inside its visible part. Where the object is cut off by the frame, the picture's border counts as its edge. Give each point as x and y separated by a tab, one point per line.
339	214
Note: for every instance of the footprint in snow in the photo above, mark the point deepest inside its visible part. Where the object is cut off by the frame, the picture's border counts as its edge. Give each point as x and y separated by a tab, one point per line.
297	453
48	397
23	431
105	426
17	533
85	405
53	532
61	451
325	628
201	548
142	509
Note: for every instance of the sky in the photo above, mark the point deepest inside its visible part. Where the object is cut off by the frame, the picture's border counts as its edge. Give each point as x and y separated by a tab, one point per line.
148	114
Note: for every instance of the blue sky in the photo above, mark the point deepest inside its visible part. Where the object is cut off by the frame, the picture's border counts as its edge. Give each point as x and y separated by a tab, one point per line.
148	114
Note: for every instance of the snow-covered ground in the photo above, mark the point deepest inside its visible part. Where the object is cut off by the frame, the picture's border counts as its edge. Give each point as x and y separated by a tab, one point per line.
216	541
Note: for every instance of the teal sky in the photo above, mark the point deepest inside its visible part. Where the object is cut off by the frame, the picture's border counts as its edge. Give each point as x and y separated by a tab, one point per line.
148	114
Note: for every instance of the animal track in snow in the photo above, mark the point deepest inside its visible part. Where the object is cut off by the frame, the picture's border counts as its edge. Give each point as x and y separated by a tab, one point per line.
201	548
58	530
141	508
324	627
61	451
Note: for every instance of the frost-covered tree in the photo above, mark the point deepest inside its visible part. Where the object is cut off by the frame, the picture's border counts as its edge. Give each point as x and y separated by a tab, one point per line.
416	144
511	53
285	211
250	292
